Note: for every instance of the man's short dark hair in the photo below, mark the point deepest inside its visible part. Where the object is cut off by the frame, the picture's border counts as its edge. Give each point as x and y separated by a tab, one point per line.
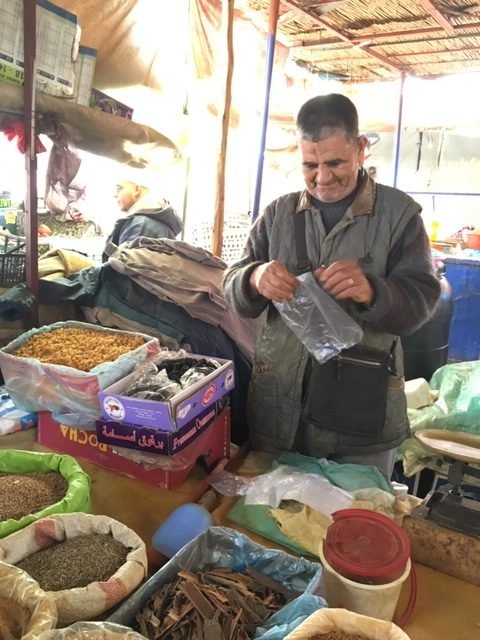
324	116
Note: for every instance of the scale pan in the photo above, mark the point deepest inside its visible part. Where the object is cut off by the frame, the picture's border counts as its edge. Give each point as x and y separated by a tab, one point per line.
459	445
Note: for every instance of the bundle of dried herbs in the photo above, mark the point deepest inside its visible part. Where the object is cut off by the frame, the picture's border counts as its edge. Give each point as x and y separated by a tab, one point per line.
13	620
218	604
22	494
76	562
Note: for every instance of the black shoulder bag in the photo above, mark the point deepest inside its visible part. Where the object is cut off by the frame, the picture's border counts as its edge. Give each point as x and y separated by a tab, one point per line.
347	394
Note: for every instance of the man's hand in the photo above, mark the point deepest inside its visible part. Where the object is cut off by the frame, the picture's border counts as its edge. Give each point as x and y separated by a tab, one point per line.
345	279
273	281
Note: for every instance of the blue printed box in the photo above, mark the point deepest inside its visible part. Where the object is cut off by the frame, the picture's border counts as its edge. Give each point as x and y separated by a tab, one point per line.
166	443
168	415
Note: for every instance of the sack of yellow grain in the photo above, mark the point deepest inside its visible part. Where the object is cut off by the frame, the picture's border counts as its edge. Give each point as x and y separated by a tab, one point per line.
340	624
86	563
25	610
62	367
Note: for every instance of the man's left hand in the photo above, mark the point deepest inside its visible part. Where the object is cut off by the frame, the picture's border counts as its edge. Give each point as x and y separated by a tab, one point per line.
345	279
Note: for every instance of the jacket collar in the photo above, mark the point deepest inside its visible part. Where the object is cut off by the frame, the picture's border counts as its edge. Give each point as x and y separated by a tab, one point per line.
362	205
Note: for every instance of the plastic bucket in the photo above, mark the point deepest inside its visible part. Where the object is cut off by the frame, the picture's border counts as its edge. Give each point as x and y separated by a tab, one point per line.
366	559
374	600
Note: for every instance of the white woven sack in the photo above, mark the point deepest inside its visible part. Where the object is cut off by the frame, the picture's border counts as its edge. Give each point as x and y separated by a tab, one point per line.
92	631
18	587
326	620
87	602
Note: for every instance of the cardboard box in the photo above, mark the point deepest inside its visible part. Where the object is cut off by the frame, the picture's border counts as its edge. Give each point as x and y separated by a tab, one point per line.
120	434
58	34
212	445
103	102
172	414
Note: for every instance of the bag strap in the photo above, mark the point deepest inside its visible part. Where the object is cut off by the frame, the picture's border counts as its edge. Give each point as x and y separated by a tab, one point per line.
303	263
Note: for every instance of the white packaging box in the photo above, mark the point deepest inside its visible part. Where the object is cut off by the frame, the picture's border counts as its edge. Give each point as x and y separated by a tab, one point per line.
58	37
84	72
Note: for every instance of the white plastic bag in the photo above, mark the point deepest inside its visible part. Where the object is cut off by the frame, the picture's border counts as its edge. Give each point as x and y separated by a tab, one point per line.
87	602
327	620
318	321
18	588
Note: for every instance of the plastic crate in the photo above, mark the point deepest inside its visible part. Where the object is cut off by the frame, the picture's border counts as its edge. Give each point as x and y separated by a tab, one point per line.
12	259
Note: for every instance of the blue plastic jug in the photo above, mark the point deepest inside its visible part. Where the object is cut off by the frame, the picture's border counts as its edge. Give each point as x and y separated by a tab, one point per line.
182	525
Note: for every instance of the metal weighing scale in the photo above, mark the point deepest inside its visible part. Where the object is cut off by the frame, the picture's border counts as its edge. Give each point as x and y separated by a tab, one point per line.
448	506
444	530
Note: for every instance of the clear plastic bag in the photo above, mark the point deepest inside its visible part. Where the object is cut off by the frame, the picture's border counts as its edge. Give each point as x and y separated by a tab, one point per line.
318	321
20	592
284	483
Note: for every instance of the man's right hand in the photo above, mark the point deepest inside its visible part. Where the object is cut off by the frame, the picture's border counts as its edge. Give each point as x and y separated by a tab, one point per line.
273	281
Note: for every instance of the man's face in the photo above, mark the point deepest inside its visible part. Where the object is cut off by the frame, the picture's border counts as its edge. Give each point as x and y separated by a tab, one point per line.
126	194
330	166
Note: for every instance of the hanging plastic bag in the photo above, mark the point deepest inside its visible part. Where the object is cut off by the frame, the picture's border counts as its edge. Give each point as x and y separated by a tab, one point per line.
318	321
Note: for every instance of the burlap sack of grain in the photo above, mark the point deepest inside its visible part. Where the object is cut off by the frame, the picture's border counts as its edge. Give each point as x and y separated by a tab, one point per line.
25	610
91	601
92	631
326	620
70	394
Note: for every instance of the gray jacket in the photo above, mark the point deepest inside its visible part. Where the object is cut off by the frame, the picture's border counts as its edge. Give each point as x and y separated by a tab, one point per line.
150	218
384	232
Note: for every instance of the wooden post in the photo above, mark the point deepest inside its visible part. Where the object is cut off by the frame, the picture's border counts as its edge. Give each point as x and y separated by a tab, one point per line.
31	214
217	239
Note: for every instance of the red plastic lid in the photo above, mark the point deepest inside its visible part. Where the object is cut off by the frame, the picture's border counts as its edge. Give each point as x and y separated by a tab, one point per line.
366	543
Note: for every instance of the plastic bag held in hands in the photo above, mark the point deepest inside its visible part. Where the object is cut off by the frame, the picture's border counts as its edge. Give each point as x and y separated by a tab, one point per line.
318	321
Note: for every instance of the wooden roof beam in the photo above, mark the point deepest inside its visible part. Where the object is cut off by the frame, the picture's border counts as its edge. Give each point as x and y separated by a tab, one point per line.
437	15
432	52
323	23
457	31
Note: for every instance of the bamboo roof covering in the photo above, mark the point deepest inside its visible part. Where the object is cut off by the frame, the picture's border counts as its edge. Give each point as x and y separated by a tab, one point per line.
356	41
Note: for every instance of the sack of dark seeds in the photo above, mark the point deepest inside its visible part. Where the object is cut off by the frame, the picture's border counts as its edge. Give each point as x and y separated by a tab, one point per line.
25	610
340	624
86	563
92	631
36	485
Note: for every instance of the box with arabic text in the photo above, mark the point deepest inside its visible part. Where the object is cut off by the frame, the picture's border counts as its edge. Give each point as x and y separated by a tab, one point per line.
172	414
166	443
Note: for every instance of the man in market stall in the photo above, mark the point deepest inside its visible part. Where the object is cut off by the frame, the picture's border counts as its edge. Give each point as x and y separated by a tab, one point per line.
144	213
366	245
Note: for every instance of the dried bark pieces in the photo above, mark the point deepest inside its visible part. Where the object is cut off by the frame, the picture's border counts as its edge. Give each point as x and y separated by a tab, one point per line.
218	604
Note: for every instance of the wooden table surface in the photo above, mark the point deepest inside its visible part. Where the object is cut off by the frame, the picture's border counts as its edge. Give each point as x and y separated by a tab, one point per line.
447	608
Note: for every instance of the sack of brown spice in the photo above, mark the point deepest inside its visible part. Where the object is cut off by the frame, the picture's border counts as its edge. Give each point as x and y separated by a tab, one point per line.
92	631
340	624
86	563
25	610
35	485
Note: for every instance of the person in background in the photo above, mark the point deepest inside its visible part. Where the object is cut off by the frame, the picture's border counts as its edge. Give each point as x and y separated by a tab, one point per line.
143	212
365	244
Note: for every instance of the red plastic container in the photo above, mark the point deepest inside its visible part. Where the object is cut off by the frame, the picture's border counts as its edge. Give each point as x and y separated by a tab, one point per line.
366	547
